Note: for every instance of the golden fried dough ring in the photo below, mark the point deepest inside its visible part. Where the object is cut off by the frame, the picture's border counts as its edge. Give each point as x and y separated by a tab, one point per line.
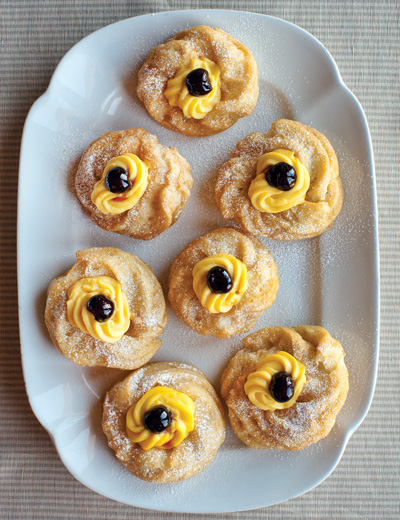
168	189
195	452
262	277
313	415
324	197
146	305
239	80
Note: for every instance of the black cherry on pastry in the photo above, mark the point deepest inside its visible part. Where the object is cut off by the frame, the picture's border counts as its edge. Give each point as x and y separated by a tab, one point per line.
117	180
101	307
158	419
281	176
219	280
281	387
198	82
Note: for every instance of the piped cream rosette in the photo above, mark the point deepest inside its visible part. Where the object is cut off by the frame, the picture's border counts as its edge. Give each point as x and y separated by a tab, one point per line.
109	331
268	199
178	95
258	382
115	203
219	302
182	410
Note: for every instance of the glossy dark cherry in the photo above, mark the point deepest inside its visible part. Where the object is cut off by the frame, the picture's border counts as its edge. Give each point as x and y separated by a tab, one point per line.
219	280
198	82
117	180
158	419
282	176
281	387
101	307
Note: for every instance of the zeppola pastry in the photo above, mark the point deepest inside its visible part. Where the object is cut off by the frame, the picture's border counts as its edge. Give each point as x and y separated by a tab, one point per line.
107	310
131	184
283	184
285	387
200	82
164	422
222	282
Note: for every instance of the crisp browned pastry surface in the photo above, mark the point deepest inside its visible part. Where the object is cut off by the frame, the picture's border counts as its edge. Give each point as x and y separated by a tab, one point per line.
324	197
262	276
146	305
168	190
195	452
313	415
239	79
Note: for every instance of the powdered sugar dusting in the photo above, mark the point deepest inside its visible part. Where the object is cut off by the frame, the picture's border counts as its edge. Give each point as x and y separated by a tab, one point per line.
325	280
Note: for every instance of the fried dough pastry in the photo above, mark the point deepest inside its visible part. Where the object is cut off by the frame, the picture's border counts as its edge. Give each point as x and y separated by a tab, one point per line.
314	412
235	76
261	283
323	199
135	295
167	187
194	452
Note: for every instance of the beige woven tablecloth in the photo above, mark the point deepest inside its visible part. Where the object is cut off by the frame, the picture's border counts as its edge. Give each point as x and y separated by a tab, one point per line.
363	38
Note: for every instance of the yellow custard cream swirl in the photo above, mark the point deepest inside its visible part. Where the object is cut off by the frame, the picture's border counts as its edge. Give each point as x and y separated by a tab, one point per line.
266	198
109	331
182	410
194	106
116	203
212	301
258	382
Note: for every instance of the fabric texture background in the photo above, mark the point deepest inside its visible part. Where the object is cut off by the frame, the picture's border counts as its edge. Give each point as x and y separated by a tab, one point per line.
363	38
